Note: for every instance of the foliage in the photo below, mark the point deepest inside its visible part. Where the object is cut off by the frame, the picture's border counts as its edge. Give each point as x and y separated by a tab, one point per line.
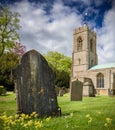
2	90
89	114
8	62
61	65
9	24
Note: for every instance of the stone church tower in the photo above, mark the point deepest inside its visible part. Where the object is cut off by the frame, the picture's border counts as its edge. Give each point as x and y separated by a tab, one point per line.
85	67
84	50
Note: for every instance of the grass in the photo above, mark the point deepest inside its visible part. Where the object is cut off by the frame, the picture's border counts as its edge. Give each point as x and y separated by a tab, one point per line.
8	103
90	114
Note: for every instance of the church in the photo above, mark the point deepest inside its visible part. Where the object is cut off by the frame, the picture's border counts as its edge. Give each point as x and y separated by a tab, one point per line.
85	67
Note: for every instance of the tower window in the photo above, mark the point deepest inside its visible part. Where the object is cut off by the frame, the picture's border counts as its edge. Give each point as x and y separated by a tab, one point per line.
91	45
92	62
79	61
100	80
79	44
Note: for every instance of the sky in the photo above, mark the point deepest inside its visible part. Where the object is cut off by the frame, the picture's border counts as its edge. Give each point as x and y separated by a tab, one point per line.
47	25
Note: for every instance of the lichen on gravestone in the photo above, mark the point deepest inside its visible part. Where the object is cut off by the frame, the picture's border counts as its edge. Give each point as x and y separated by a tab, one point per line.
35	89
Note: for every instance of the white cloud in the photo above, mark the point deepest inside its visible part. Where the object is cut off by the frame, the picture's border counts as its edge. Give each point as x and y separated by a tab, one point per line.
106	38
53	31
47	32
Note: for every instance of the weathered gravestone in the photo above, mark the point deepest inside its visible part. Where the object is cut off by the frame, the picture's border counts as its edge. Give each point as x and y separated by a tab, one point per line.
76	90
88	88
35	89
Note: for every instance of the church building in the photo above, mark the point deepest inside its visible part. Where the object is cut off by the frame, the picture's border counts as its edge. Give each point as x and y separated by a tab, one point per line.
85	67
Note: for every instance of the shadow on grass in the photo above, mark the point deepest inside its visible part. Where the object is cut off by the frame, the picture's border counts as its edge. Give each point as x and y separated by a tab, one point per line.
5	95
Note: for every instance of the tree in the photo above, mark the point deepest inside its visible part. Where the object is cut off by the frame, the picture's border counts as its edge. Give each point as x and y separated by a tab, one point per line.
9	24
8	61
61	65
19	49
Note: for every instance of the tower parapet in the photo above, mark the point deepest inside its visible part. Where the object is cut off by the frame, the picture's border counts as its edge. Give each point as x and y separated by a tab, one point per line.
83	29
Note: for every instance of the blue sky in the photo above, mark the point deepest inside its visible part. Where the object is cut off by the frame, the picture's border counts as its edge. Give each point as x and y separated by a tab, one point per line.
47	25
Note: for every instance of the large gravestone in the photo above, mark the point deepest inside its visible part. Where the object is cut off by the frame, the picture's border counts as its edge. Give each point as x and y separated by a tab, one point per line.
76	90
34	81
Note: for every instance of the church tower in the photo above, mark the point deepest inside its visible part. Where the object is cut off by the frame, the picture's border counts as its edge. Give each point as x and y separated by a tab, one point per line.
84	50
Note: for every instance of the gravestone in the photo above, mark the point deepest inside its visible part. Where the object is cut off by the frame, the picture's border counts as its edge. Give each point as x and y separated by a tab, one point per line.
76	90
88	88
34	82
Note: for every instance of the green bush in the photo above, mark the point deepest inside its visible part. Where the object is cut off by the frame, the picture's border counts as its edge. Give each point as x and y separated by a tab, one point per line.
2	90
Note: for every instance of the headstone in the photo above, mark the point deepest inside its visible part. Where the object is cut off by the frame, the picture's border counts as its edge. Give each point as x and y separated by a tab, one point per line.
61	92
88	88
76	90
35	89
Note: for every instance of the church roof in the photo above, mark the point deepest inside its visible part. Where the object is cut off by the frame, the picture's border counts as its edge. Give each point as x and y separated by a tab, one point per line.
103	66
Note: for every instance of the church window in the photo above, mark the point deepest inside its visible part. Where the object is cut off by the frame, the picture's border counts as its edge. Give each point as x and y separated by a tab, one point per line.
79	44
91	45
92	62
100	80
79	61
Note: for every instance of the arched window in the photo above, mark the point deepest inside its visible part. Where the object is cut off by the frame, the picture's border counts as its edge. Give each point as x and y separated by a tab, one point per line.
92	62
91	45
79	44
79	61
100	80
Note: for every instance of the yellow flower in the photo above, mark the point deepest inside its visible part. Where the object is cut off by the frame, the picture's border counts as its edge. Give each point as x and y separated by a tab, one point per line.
38	124
99	112
87	116
28	124
71	114
105	124
21	119
108	120
34	114
10	117
16	116
90	119
27	117
23	115
13	122
48	119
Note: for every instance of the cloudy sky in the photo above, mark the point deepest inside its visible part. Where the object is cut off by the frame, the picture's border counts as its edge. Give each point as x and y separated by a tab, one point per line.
47	25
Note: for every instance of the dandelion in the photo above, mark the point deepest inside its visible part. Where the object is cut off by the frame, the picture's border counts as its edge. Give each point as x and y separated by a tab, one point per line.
48	119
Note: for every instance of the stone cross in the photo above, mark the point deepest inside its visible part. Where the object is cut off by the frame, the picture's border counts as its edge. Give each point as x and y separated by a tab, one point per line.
34	82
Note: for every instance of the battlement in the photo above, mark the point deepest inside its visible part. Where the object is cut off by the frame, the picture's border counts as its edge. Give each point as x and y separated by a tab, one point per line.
82	29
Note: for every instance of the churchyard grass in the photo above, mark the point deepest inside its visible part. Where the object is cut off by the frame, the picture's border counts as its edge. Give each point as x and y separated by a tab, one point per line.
90	114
